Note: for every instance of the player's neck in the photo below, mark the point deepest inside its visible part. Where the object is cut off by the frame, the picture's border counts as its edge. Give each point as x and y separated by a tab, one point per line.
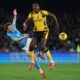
36	11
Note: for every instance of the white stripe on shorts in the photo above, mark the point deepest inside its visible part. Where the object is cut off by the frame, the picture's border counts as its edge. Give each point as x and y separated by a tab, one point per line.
26	47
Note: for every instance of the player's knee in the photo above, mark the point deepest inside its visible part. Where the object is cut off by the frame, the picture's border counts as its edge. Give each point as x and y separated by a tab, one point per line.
45	49
31	48
42	46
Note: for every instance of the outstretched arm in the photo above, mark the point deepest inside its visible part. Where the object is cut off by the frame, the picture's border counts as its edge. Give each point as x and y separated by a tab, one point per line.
28	19
15	15
21	38
56	21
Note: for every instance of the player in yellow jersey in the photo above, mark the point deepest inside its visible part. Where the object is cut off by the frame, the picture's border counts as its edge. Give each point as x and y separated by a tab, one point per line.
41	31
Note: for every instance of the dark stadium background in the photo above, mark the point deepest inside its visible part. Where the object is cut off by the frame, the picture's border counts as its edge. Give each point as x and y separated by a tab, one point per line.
57	5
67	12
66	54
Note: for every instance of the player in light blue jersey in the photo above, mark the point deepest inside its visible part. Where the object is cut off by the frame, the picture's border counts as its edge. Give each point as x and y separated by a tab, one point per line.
23	40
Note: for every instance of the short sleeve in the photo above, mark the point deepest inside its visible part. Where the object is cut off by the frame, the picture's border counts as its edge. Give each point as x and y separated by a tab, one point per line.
14	26
29	16
45	12
13	38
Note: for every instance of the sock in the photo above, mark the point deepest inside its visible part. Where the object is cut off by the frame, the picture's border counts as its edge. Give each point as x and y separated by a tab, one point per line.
41	71
37	65
32	56
49	56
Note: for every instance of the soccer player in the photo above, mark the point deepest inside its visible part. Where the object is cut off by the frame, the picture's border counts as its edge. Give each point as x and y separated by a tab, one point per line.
23	40
41	30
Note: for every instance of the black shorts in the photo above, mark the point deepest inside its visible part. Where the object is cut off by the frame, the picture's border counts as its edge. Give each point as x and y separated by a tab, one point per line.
40	35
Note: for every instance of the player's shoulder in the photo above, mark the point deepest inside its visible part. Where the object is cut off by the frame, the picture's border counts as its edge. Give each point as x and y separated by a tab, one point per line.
44	11
9	34
31	12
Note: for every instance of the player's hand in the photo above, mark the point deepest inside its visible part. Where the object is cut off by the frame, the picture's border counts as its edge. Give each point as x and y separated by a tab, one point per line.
25	25
26	35
15	12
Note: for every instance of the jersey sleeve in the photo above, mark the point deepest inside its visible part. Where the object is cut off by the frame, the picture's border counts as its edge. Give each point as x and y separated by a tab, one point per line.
12	37
29	16
14	26
45	12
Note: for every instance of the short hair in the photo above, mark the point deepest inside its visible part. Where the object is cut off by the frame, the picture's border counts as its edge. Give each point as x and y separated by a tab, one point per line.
35	4
6	25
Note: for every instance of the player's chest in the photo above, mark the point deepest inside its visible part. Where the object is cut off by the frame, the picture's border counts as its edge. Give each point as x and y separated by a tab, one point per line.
16	34
38	17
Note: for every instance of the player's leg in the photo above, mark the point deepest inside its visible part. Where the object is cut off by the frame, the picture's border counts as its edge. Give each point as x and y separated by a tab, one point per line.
46	50
26	47
37	65
39	53
31	50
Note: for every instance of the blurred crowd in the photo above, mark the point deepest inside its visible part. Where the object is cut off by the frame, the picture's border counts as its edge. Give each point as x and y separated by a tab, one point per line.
69	23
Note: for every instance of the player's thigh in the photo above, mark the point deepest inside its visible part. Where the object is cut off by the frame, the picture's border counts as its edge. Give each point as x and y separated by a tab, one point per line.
44	39
33	42
29	40
46	34
26	47
43	43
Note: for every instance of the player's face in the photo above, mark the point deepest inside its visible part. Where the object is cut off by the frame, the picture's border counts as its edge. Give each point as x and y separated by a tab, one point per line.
10	29
36	8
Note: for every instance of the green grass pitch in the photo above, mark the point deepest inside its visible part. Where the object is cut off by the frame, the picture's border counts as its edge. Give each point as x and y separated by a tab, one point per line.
20	72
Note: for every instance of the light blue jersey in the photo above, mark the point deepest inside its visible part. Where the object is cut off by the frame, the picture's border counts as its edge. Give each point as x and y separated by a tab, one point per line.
17	34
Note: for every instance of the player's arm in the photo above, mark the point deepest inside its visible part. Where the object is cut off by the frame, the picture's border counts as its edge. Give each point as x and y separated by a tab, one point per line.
56	21
28	18
14	16
54	17
21	38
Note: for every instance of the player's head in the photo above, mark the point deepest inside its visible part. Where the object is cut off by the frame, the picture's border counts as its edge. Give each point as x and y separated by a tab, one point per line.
8	27
36	7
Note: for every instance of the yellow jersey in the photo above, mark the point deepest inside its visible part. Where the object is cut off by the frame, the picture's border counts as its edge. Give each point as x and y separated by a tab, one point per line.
39	19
